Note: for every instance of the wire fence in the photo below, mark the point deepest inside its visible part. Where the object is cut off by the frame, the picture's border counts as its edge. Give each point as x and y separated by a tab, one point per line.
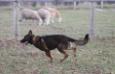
93	6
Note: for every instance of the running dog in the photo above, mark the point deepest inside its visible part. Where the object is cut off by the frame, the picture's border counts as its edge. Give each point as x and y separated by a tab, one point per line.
51	42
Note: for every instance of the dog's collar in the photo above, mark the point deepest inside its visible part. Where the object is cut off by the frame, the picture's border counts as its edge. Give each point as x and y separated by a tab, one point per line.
34	39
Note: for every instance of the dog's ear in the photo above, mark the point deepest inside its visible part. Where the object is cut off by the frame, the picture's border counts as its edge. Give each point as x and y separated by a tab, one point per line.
30	32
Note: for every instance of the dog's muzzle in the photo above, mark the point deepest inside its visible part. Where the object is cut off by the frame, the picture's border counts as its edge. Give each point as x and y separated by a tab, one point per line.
25	42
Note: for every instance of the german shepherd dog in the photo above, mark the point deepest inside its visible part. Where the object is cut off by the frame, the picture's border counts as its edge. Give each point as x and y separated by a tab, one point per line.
51	42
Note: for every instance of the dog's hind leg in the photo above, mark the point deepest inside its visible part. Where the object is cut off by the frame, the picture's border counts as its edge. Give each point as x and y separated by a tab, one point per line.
49	55
74	51
65	54
61	48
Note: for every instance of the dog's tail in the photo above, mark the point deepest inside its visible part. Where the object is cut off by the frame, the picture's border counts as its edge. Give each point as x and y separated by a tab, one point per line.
80	42
84	41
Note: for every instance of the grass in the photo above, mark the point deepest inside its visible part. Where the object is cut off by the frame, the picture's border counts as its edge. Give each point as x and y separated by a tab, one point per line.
97	57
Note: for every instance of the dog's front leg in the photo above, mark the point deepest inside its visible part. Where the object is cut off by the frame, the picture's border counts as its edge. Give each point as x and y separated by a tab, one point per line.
48	54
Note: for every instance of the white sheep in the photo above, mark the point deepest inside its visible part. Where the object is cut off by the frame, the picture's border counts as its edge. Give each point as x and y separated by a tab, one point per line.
27	13
54	14
49	14
45	16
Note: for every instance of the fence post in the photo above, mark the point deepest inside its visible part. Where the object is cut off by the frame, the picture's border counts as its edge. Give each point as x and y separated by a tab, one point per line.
92	20
15	19
102	4
74	5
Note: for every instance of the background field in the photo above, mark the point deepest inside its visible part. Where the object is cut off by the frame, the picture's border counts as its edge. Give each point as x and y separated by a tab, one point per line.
97	57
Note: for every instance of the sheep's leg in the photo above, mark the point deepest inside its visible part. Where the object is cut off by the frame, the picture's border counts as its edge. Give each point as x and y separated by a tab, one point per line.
52	19
59	19
47	21
40	21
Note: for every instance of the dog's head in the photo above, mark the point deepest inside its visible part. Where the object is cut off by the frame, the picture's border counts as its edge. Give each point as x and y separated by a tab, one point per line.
28	38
